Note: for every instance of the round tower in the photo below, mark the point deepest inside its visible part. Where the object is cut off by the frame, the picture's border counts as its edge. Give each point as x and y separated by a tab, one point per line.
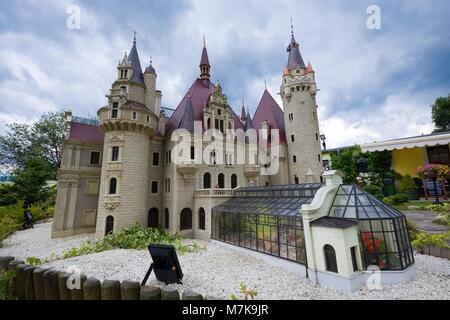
128	126
298	92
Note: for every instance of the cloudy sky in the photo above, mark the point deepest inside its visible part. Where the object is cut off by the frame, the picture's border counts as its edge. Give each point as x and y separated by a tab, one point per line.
374	84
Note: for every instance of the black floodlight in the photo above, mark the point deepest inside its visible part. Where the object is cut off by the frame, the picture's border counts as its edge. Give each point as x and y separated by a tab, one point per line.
165	264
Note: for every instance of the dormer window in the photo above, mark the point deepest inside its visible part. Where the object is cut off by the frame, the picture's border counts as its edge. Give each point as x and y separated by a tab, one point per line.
126	74
219	112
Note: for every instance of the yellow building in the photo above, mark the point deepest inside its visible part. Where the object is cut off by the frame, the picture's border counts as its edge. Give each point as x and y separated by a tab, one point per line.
412	152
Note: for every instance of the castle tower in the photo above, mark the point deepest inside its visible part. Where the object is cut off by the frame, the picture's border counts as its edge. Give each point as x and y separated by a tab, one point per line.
298	92
128	122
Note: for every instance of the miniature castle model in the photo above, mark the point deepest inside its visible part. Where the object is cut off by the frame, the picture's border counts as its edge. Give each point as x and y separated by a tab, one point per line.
121	172
124	169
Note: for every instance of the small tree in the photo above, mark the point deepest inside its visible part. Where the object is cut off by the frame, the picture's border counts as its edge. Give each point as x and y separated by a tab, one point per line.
347	162
31	179
440	111
45	135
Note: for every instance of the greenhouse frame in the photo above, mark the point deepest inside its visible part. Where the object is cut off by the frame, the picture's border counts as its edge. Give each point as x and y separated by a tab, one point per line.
265	219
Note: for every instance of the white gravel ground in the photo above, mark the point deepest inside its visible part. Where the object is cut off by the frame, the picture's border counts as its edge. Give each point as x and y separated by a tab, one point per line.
220	269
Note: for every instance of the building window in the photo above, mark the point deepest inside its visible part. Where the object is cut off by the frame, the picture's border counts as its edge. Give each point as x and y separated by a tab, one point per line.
148	119
113	186
115	154
201	219
109	225
192	153
212	157
168	157
318	156
155	161
354	262
317	137
115	110
167	185
221	181
166	218
291	117
153	218
95	158
207	181
221	126
292	138
438	155
234	182
216	123
294	159
296	180
330	258
186	219
154	187
134	115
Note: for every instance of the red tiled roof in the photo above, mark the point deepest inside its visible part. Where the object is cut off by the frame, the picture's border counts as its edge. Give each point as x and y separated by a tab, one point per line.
86	133
269	110
200	92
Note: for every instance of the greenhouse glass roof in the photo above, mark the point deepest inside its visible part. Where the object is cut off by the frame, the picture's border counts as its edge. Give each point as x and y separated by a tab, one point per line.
352	202
283	200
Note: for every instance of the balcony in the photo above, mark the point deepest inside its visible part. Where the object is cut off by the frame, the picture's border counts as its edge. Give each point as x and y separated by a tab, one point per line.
214	193
188	169
252	171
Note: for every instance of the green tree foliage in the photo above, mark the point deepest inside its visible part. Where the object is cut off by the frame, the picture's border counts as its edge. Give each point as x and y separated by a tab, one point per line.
440	112
379	162
31	179
346	161
45	135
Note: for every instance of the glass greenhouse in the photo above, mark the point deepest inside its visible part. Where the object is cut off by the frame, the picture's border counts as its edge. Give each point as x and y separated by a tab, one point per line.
384	237
265	219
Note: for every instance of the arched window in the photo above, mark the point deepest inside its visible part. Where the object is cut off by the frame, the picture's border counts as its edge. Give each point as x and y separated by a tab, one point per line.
330	258
234	182
201	219
303	88
308	87
292	89
207	180
186	219
153	220
221	181
109	225
113	186
166	218
298	88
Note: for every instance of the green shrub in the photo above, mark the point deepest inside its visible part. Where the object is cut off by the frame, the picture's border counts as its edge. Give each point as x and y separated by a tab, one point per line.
11	217
247	293
5	278
440	207
427	239
134	237
408	184
443	219
412	229
374	190
396	199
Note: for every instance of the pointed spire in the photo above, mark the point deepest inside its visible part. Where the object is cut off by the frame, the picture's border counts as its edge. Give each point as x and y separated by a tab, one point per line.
249	123
150	68
295	59
204	63
243	114
309	68
133	57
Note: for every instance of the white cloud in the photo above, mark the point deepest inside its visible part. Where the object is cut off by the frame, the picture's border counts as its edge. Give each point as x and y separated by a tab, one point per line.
359	73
